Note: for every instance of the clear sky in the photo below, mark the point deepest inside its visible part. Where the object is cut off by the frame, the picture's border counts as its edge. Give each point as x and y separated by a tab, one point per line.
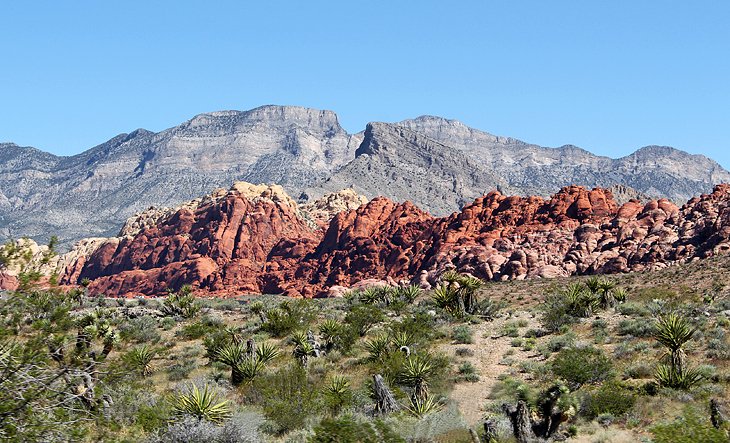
609	76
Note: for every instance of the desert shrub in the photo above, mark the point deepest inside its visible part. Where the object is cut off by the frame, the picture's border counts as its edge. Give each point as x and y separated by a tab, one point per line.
555	312
511	329
203	327
512	390
290	398
639	369
241	428
717	344
153	416
180	370
462	335
464	352
347	429
580	366
633	309
140	330
420	326
689	428
468	372
610	398
557	343
361	318
635	328
287	317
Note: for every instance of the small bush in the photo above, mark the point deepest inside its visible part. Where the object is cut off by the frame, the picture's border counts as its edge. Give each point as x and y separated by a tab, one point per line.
610	398
287	317
580	366
690	428
462	335
363	317
181	370
636	328
289	398
203	327
347	429
464	352
140	330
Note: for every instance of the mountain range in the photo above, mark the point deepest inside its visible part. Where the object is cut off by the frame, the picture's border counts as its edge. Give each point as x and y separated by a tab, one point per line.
438	164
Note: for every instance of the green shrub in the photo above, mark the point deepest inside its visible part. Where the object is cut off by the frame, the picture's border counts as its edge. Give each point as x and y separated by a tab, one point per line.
363	317
346	429
636	327
580	366
181	370
462	335
287	317
203	327
289	398
140	330
690	428
610	398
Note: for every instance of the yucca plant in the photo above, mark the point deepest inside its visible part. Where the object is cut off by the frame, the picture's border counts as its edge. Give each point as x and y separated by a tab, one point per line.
202	404
593	284
249	368
338	393
422	407
670	377
445	298
182	303
140	358
266	352
258	308
468	287
620	294
581	302
330	330
673	332
415	373
408	293
377	347
110	338
457	293
401	339
299	338
232	354
302	352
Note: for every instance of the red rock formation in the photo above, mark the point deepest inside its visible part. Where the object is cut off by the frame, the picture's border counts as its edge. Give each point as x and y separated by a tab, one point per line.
236	244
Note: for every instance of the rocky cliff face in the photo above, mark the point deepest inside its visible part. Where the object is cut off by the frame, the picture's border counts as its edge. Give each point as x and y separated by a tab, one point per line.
92	193
440	165
241	243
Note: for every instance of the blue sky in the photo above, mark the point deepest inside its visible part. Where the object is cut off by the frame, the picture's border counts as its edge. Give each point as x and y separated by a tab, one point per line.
609	76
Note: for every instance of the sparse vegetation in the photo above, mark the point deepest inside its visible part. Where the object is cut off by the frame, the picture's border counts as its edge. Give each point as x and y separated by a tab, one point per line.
576	360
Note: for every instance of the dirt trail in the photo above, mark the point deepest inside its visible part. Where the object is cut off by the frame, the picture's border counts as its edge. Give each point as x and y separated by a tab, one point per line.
489	348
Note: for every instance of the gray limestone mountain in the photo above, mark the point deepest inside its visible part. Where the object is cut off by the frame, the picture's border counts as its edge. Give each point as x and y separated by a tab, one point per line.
438	164
91	194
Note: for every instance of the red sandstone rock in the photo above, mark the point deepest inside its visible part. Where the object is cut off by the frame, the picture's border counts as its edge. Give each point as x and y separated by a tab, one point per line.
234	245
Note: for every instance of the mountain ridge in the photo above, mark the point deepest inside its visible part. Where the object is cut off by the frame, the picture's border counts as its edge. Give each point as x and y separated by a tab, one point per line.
309	153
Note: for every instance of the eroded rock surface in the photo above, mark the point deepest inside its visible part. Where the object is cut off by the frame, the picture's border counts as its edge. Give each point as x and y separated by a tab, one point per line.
243	242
